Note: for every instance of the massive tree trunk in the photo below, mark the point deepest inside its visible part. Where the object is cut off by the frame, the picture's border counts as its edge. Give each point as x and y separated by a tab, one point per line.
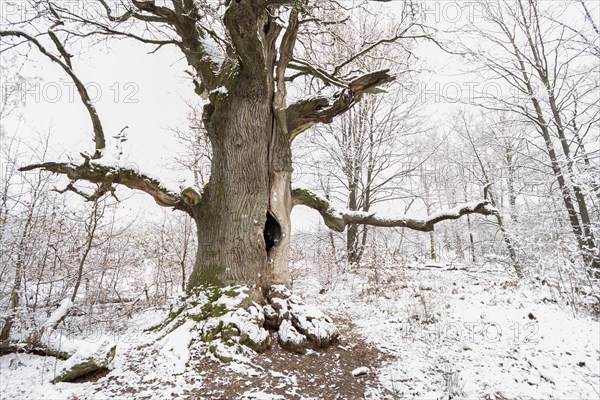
231	215
243	217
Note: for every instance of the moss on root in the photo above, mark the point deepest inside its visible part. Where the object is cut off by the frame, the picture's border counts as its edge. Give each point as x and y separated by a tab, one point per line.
224	318
233	327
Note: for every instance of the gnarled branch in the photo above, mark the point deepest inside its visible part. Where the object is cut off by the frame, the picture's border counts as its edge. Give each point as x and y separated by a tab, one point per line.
337	220
307	69
106	176
99	138
101	190
306	113
159	11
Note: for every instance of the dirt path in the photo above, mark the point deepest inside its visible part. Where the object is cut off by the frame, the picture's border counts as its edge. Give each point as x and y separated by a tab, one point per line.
322	374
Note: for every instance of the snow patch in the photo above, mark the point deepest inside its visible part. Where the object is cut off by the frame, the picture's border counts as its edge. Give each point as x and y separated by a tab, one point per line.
220	90
360	371
215	55
175	346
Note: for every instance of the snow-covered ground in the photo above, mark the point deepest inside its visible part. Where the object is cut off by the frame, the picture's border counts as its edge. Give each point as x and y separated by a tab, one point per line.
459	334
441	333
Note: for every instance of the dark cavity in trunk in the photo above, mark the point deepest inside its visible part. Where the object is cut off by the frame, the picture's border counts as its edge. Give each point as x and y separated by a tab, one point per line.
272	232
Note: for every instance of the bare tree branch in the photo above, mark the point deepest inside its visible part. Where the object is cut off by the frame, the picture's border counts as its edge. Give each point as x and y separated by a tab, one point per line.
100	191
306	113
306	69
371	46
99	138
106	176
338	219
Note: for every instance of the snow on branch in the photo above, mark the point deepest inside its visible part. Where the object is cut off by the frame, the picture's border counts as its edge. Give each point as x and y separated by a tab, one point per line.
308	112
338	219
106	176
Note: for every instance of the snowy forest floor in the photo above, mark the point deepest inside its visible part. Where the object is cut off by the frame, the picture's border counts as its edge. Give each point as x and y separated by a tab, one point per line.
427	333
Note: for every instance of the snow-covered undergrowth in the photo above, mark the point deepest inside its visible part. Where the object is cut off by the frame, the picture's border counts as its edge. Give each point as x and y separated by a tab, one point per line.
448	334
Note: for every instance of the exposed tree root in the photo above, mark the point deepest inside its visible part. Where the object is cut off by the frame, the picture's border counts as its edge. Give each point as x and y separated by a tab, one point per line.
234	327
298	326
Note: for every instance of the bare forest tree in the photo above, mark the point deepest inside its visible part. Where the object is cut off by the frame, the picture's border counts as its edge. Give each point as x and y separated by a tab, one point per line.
484	171
546	68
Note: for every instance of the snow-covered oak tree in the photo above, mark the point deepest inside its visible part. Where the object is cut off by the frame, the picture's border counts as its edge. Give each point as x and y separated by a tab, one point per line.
241	55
